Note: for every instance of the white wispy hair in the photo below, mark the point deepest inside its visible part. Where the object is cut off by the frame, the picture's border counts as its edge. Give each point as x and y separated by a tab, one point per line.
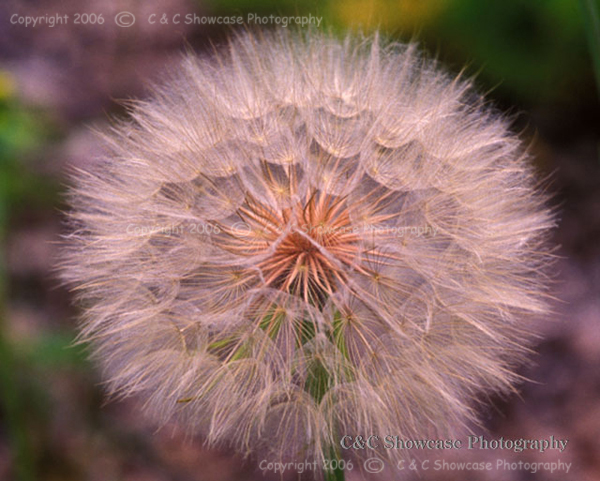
299	238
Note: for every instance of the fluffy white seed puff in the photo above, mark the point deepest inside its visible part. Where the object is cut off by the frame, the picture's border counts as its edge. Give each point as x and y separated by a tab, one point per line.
300	238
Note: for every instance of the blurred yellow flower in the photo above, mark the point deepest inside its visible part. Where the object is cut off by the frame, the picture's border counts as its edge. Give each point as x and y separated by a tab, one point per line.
8	85
388	14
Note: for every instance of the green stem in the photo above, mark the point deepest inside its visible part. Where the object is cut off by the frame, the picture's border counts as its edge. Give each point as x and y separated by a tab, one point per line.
318	382
334	459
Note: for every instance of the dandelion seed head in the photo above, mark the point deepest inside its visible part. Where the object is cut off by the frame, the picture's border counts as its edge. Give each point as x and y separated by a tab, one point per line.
299	238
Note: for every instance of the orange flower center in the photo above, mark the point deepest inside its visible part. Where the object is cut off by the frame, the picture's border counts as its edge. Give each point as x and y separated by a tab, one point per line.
312	243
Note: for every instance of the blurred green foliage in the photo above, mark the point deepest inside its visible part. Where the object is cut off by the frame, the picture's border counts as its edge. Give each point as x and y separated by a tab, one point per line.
530	51
23	134
16	135
534	48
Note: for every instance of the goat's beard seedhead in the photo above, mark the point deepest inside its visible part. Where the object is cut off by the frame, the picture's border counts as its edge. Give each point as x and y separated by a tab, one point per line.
304	238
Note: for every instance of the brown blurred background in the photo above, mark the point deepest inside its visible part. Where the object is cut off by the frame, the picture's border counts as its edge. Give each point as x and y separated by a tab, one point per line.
533	58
